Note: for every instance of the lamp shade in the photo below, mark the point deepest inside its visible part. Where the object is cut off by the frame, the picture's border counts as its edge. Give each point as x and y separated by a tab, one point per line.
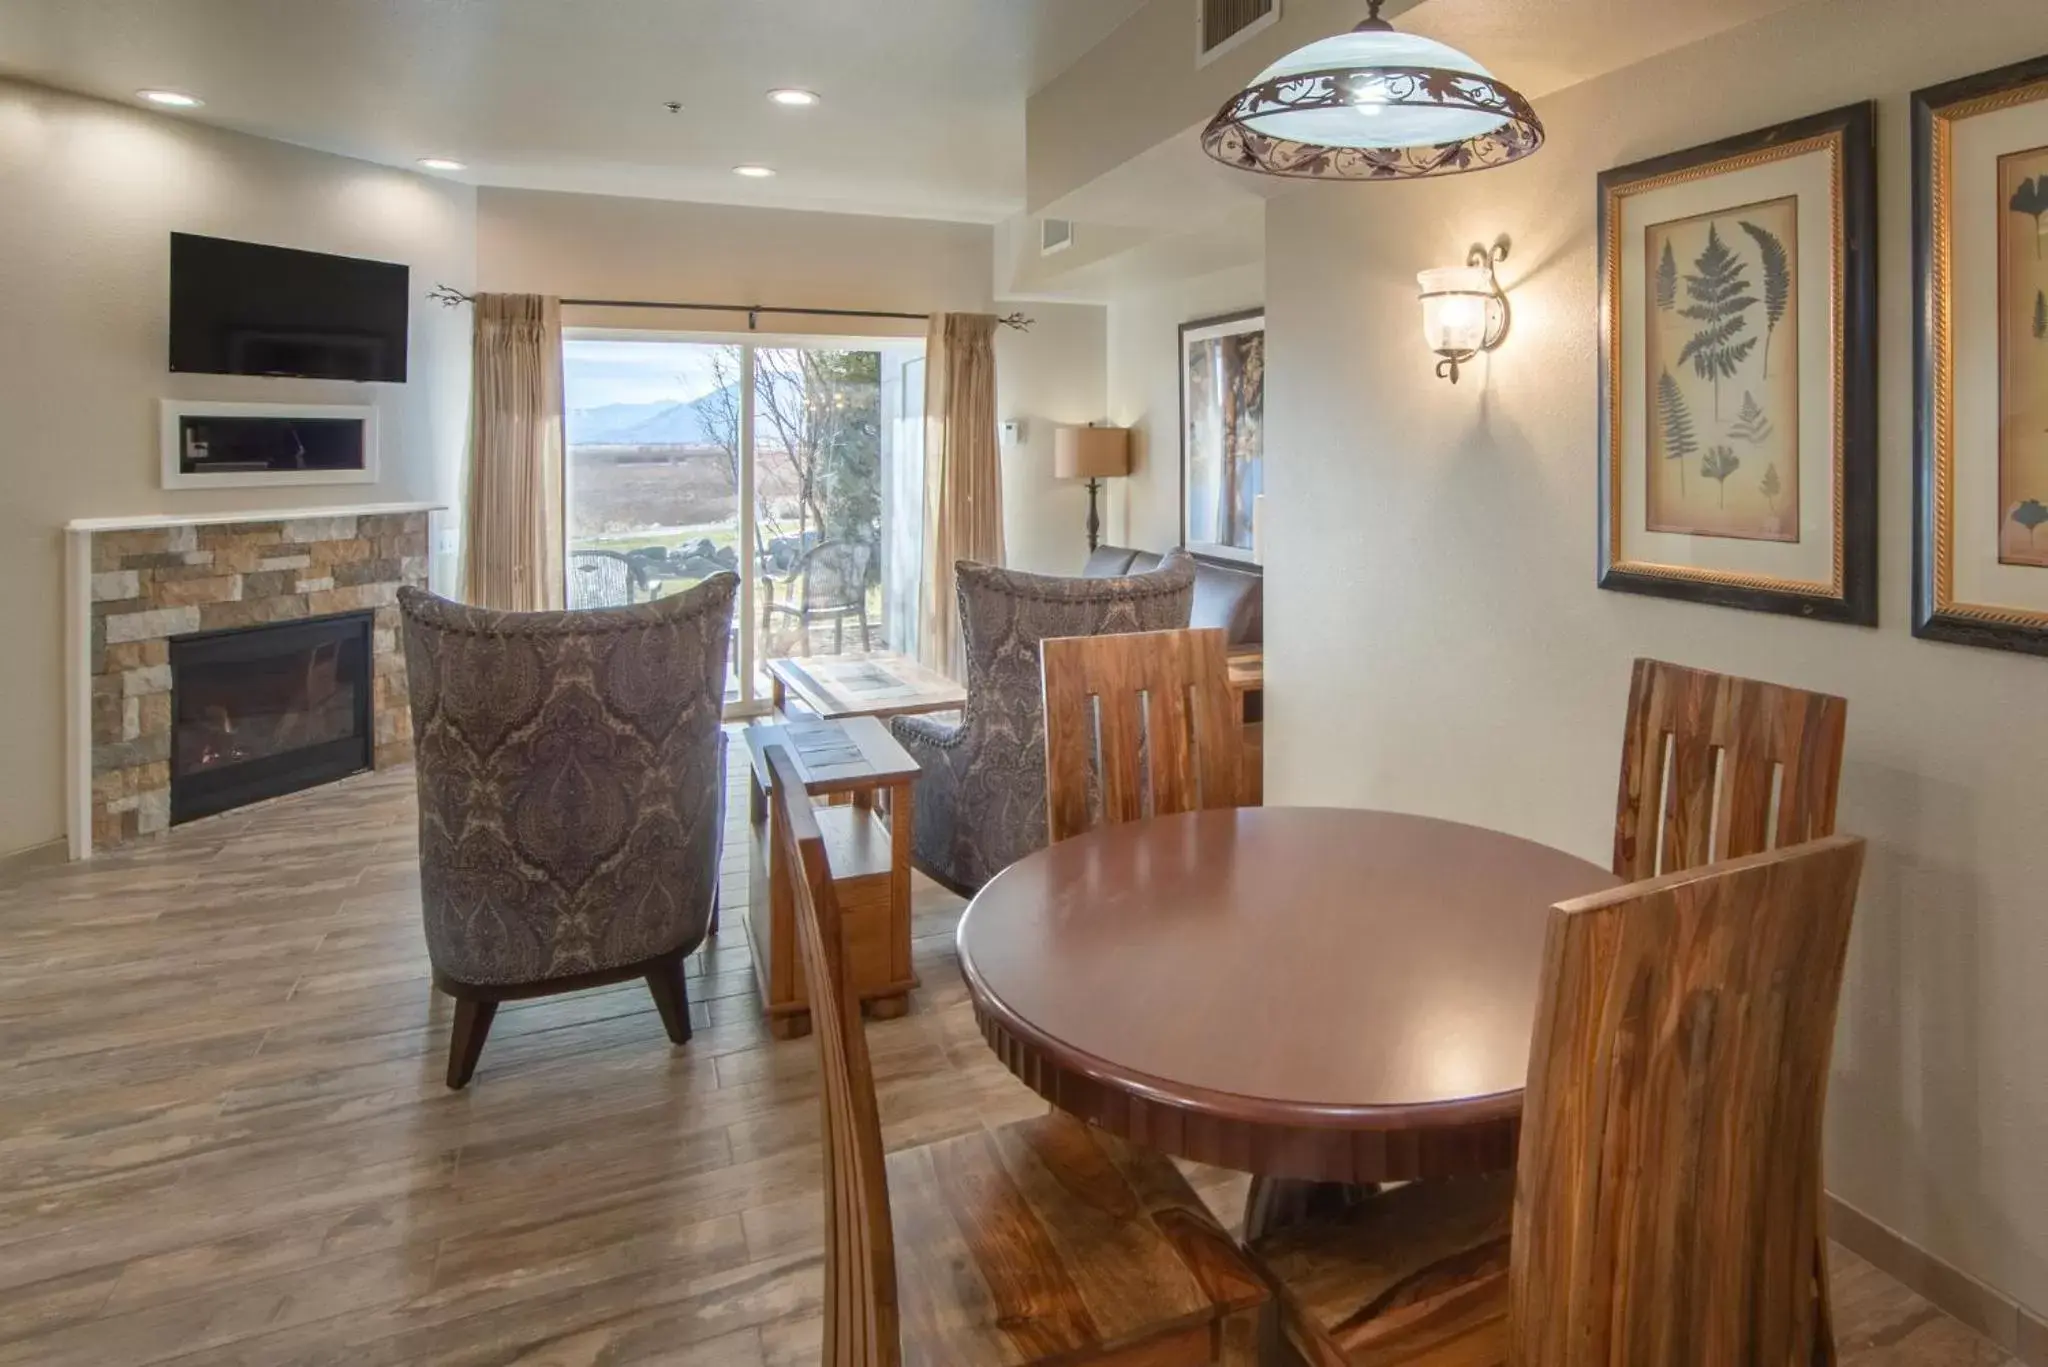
1374	104
1091	453
1457	309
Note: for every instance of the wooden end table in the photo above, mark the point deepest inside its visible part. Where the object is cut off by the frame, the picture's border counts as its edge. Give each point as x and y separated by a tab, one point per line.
869	851
871	685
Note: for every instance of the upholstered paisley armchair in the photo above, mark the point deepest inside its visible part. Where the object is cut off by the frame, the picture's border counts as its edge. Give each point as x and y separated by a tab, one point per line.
570	766
980	804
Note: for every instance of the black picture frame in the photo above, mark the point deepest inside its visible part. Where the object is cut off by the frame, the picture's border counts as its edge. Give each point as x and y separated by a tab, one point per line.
1853	598
1936	615
1216	555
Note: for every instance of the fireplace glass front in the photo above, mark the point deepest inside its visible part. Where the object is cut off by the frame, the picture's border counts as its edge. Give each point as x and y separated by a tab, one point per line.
265	710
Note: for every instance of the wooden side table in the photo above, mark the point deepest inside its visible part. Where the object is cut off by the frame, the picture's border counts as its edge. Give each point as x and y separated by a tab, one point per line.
869	847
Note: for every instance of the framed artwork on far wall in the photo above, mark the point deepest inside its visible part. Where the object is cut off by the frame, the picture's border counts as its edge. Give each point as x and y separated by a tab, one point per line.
1738	371
1222	432
1980	258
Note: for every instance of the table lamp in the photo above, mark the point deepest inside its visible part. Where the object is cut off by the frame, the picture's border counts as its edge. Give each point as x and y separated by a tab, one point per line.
1093	454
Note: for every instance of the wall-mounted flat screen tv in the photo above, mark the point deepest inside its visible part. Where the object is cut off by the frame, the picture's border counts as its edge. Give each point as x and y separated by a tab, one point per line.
241	308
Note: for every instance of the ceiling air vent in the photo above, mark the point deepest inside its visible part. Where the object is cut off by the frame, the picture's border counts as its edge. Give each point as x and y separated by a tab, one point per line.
1221	25
1054	235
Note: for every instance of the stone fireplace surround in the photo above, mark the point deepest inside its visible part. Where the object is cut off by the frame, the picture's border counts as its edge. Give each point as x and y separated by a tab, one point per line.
134	583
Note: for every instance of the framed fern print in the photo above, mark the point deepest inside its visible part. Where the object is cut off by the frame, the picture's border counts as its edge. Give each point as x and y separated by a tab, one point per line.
1738	422
1980	251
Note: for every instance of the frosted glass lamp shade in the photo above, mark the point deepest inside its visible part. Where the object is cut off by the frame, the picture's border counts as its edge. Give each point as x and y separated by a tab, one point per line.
1374	114
1374	104
1091	453
1464	309
1457	309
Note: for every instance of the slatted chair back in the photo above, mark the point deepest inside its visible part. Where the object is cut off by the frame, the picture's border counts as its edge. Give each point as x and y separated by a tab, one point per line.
861	1320
602	579
1715	767
1668	1192
835	574
1142	723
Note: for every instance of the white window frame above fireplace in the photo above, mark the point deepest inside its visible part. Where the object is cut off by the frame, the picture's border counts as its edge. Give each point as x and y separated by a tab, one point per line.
174	411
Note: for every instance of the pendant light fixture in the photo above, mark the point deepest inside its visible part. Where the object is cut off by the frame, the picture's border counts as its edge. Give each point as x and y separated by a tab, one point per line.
1374	104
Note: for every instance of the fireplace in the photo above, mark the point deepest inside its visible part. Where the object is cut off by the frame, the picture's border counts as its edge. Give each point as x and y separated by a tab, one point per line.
264	710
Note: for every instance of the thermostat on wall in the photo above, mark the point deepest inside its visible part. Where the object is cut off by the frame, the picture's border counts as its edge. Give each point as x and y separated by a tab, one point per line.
1012	432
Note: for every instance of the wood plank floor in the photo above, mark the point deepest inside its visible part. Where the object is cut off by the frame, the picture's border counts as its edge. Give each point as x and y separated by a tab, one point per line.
226	1139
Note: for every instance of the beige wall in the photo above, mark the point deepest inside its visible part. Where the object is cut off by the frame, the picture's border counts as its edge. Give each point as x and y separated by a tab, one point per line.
1142	85
1436	643
598	247
594	247
1049	377
91	193
1144	395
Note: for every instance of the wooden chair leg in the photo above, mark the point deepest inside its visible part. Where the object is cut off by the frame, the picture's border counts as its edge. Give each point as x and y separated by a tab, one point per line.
466	1045
1246	1338
1824	1351
672	998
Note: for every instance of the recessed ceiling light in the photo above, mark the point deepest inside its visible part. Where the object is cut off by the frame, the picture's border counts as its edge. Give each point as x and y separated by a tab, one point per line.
442	164
754	172
170	99
793	97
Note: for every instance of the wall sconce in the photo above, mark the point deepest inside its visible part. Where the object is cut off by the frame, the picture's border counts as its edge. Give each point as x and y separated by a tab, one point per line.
1464	309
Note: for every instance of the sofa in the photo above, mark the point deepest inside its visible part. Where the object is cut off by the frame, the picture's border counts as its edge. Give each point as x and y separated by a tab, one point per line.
1229	597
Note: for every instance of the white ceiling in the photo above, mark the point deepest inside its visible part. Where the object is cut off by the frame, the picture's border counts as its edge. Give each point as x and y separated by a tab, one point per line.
1539	48
923	113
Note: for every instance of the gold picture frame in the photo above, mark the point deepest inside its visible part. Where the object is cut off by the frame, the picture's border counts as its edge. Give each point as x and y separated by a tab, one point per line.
1738	387
1975	581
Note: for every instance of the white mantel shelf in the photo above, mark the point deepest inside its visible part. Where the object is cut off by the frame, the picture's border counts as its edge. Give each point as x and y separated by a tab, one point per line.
146	521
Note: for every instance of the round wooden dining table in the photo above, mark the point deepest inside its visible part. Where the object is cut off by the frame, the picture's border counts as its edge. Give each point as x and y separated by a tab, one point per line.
1306	994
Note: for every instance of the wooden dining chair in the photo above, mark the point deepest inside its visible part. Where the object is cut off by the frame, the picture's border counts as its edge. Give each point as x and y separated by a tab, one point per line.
1044	1241
1716	767
1141	724
1665	1206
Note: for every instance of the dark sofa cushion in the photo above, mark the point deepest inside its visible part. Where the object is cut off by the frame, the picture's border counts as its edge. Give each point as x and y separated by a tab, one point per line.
1230	597
1108	562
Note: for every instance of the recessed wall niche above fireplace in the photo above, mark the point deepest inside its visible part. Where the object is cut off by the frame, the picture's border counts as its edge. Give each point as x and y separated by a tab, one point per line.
213	445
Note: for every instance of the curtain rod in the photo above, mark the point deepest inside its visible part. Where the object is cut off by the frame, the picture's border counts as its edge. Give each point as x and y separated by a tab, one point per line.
452	298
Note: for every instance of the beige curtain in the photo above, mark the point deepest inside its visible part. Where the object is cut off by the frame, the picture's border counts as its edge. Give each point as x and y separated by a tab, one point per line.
963	476
513	523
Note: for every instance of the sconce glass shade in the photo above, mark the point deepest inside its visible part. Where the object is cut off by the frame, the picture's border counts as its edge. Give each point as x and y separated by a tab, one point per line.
1374	104
1464	309
1458	309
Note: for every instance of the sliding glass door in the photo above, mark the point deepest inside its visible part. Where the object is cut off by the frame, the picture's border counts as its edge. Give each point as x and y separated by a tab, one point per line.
800	461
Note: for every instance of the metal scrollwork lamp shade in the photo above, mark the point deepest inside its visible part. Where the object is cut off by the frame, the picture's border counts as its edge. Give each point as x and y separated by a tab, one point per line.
1374	104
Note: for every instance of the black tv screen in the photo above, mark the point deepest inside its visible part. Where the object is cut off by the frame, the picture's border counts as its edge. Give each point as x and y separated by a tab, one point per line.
240	308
